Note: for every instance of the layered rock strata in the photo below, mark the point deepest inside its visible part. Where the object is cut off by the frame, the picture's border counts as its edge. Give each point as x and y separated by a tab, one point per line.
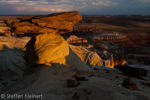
61	22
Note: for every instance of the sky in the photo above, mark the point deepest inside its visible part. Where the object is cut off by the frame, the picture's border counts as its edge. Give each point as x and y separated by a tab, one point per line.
85	7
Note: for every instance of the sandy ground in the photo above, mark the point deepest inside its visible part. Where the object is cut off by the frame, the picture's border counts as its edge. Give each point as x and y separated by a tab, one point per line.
102	85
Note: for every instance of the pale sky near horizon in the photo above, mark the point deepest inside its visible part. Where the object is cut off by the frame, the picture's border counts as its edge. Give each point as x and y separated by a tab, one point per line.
85	7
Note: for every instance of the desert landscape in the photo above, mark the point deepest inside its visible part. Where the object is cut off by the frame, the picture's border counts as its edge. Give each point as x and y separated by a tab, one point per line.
66	56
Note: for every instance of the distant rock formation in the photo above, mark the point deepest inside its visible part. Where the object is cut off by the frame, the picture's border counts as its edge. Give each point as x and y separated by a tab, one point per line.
101	46
61	22
108	36
85	29
75	39
119	61
53	50
136	40
109	63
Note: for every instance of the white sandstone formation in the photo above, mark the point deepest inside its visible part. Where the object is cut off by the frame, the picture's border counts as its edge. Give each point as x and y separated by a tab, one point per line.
91	58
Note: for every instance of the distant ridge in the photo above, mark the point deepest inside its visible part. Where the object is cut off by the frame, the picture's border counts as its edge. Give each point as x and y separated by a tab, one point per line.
22	15
128	17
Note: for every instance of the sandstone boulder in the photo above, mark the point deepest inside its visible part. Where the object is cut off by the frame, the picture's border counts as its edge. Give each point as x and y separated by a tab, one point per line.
53	50
45	48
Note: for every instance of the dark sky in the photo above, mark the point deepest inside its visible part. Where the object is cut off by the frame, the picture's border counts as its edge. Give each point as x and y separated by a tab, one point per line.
85	7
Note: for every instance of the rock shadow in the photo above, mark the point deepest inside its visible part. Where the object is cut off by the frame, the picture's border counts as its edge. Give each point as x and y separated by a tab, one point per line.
12	65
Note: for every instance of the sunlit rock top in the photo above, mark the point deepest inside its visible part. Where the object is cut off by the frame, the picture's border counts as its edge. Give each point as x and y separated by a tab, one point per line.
52	23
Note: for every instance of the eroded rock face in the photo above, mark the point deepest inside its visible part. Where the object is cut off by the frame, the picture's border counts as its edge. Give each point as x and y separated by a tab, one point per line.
61	22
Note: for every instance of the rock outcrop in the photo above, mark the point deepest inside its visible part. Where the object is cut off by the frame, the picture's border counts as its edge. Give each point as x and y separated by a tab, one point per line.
109	63
53	50
89	57
119	61
75	39
61	22
133	40
30	28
